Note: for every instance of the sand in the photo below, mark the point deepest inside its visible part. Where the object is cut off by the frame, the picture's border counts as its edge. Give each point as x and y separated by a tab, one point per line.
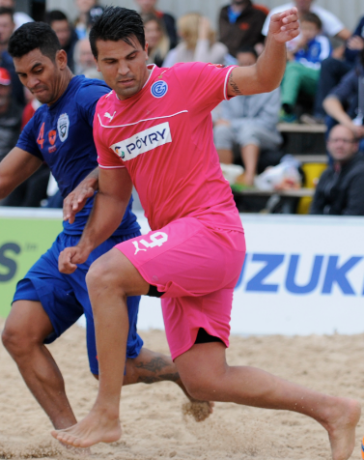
154	426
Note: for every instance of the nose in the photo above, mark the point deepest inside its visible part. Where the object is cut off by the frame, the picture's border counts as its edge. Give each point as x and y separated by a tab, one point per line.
123	68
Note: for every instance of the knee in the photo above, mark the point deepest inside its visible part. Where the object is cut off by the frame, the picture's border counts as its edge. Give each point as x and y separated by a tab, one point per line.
18	341
200	388
103	275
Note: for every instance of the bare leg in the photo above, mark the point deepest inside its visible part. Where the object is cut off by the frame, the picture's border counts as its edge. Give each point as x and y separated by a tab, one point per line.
250	156
111	279
225	156
25	330
206	375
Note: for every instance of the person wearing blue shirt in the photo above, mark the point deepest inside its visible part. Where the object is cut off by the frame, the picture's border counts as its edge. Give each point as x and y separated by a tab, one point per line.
303	69
47	302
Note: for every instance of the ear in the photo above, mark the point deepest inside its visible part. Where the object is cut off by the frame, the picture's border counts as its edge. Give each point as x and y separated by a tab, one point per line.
61	59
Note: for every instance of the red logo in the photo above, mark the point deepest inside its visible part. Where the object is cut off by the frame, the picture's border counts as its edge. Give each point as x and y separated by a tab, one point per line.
52	136
244	26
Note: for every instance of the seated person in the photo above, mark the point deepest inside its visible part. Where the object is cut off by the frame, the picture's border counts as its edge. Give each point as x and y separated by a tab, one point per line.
333	70
198	42
84	60
157	39
250	122
303	69
81	23
340	190
345	106
240	24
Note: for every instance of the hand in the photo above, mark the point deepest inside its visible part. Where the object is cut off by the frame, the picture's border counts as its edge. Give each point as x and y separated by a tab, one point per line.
355	43
204	29
284	26
76	200
70	257
358	131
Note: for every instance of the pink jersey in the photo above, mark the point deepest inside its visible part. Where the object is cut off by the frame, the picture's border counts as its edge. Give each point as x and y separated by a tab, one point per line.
163	136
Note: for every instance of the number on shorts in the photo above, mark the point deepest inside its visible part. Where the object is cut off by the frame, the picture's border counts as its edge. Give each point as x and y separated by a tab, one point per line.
157	239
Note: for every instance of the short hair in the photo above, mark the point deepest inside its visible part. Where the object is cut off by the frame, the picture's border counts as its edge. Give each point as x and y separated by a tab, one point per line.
31	36
9	11
116	24
55	15
312	17
248	49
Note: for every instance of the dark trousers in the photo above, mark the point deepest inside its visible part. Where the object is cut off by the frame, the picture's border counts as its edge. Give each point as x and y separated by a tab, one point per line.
332	71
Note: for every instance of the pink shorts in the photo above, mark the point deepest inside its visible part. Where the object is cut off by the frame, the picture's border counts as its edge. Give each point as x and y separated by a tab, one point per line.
197	268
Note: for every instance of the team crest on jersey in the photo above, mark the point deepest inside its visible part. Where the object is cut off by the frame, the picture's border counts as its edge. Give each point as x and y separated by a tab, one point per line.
63	125
159	89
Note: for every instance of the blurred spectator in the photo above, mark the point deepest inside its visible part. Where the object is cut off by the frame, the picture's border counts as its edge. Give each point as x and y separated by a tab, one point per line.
249	122
345	103
198	42
156	38
10	115
6	29
84	60
32	105
303	69
66	35
340	190
20	18
149	7
81	23
333	70
331	25
240	24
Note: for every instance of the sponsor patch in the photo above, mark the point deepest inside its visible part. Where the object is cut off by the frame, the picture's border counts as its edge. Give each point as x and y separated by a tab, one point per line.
143	142
63	125
159	89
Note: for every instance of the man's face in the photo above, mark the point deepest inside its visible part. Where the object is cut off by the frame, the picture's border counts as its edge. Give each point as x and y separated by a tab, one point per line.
41	75
123	66
309	30
86	58
6	28
342	144
246	59
303	6
153	33
7	4
63	31
146	6
5	94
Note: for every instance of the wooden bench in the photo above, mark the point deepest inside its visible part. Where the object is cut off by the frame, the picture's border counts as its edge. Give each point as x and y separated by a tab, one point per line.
303	139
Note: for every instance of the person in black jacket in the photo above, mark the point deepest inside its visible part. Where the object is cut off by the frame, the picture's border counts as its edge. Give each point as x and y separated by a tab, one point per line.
340	190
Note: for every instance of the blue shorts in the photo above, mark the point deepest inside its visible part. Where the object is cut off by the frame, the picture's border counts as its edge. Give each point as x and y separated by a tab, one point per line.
65	297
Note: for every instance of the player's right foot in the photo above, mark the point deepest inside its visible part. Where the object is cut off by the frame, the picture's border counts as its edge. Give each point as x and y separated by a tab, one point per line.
341	427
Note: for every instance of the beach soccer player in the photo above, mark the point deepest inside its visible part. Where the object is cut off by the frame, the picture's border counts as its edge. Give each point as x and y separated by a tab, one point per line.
160	139
47	302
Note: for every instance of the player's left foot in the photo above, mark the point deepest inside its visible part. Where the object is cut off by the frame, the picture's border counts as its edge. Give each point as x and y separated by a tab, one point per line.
97	426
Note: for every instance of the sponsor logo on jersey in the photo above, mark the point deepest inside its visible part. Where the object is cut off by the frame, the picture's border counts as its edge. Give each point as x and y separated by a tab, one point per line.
159	89
63	125
143	142
110	117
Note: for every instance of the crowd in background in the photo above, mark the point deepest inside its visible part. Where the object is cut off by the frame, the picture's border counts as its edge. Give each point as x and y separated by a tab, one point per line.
323	85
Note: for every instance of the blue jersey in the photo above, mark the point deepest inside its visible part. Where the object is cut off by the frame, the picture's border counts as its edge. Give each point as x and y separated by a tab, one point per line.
318	49
61	135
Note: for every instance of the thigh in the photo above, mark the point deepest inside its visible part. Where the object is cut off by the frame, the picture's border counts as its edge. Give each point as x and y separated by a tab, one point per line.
186	258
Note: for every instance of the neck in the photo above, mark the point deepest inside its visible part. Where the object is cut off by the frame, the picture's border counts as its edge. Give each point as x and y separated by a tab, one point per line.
62	85
239	8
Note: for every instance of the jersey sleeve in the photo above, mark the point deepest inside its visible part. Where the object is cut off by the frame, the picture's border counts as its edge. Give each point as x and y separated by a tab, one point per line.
205	84
28	139
106	156
87	98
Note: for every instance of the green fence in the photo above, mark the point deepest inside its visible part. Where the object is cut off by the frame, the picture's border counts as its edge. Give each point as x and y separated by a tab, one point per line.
22	242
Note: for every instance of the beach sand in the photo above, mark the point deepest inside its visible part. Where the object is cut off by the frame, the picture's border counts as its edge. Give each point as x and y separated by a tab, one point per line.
154	426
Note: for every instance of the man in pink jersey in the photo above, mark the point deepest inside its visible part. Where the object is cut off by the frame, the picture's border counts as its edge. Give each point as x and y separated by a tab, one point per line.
154	130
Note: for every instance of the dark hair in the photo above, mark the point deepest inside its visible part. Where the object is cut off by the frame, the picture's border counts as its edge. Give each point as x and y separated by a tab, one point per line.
9	11
55	15
312	17
247	49
116	24
31	36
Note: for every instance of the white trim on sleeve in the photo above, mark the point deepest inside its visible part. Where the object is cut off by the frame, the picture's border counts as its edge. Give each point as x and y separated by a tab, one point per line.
110	167
226	82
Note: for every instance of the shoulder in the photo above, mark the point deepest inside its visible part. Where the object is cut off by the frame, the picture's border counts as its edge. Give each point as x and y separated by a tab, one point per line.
323	14
88	87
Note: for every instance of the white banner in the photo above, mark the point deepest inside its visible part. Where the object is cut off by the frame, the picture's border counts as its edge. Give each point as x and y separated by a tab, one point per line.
302	275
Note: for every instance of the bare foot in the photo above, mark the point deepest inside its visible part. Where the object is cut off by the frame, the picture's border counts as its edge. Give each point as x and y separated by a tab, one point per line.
341	428
199	410
97	427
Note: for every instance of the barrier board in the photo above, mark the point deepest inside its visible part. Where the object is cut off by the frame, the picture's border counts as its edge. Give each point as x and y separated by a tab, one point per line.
302	274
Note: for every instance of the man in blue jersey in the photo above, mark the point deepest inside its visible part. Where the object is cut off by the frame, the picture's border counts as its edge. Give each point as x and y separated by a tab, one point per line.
47	302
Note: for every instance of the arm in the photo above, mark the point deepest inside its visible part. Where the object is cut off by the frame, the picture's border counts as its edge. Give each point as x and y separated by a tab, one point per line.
334	108
15	168
76	200
115	189
267	73
344	34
